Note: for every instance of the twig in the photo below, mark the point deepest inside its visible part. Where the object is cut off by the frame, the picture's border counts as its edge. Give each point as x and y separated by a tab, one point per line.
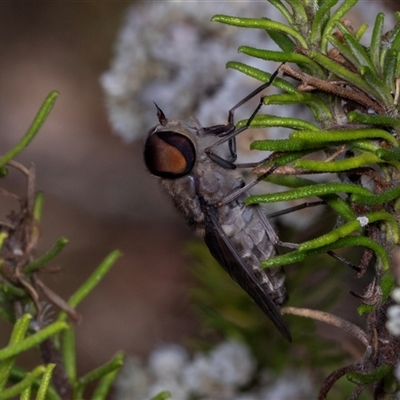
328	87
346	326
284	170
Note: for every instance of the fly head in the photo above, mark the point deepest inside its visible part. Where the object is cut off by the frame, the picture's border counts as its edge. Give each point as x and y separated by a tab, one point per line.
169	149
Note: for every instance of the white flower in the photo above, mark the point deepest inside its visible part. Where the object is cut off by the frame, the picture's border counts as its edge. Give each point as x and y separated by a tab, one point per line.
393	322
232	364
168	361
228	367
396	294
133	381
195	376
290	386
217	375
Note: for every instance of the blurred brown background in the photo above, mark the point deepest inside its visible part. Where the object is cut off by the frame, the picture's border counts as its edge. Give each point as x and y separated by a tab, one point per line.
98	193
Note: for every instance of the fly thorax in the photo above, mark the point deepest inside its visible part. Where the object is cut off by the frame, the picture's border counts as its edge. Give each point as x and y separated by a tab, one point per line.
215	183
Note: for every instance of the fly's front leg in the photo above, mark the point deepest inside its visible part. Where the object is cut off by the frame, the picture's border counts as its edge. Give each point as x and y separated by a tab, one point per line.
238	192
222	162
230	136
229	132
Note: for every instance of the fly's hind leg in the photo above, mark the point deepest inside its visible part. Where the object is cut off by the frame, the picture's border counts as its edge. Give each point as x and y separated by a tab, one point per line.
270	231
273	237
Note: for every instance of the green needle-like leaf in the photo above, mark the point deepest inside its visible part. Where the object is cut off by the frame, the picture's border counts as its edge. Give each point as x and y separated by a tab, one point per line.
345	135
379	87
92	281
379	120
105	385
98	373
38	206
394	38
12	290
279	56
37	123
365	379
343	73
389	155
299	11
347	229
359	33
390	68
337	166
18	375
344	50
20	328
307	191
33	340
373	199
350	241
68	353
285	145
337	16
41	261
260	24
284	11
282	40
26	394
320	20
266	121
23	385
359	52
261	76
45	382
319	109
376	41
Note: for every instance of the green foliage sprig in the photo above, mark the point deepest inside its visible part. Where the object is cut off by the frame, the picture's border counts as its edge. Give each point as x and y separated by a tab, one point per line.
20	288
352	90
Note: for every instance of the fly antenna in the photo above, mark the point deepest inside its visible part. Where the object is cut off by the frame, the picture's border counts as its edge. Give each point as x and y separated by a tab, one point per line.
160	115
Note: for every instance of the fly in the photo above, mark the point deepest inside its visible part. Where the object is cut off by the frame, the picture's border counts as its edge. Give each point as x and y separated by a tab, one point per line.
197	171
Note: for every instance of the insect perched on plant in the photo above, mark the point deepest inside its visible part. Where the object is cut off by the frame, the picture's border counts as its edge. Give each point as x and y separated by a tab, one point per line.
197	170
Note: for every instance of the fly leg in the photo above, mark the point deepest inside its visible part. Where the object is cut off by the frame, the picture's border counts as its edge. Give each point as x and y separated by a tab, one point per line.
237	193
228	132
296	208
267	225
307	205
273	237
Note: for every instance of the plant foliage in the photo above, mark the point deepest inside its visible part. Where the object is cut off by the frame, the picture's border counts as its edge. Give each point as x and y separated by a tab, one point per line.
352	90
25	299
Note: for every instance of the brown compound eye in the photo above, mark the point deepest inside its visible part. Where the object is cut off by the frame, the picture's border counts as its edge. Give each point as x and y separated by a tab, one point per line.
169	154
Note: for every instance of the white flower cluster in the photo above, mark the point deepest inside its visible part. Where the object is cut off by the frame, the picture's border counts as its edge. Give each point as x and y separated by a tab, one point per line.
218	375
393	314
170	53
393	323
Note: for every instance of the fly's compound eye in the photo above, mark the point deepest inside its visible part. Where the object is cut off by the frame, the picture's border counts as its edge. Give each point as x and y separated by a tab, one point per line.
169	154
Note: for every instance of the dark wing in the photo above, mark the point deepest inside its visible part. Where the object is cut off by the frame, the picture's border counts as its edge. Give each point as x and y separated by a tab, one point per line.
222	249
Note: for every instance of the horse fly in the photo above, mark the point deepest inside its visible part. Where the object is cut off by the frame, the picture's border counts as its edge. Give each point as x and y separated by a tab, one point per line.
197	171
